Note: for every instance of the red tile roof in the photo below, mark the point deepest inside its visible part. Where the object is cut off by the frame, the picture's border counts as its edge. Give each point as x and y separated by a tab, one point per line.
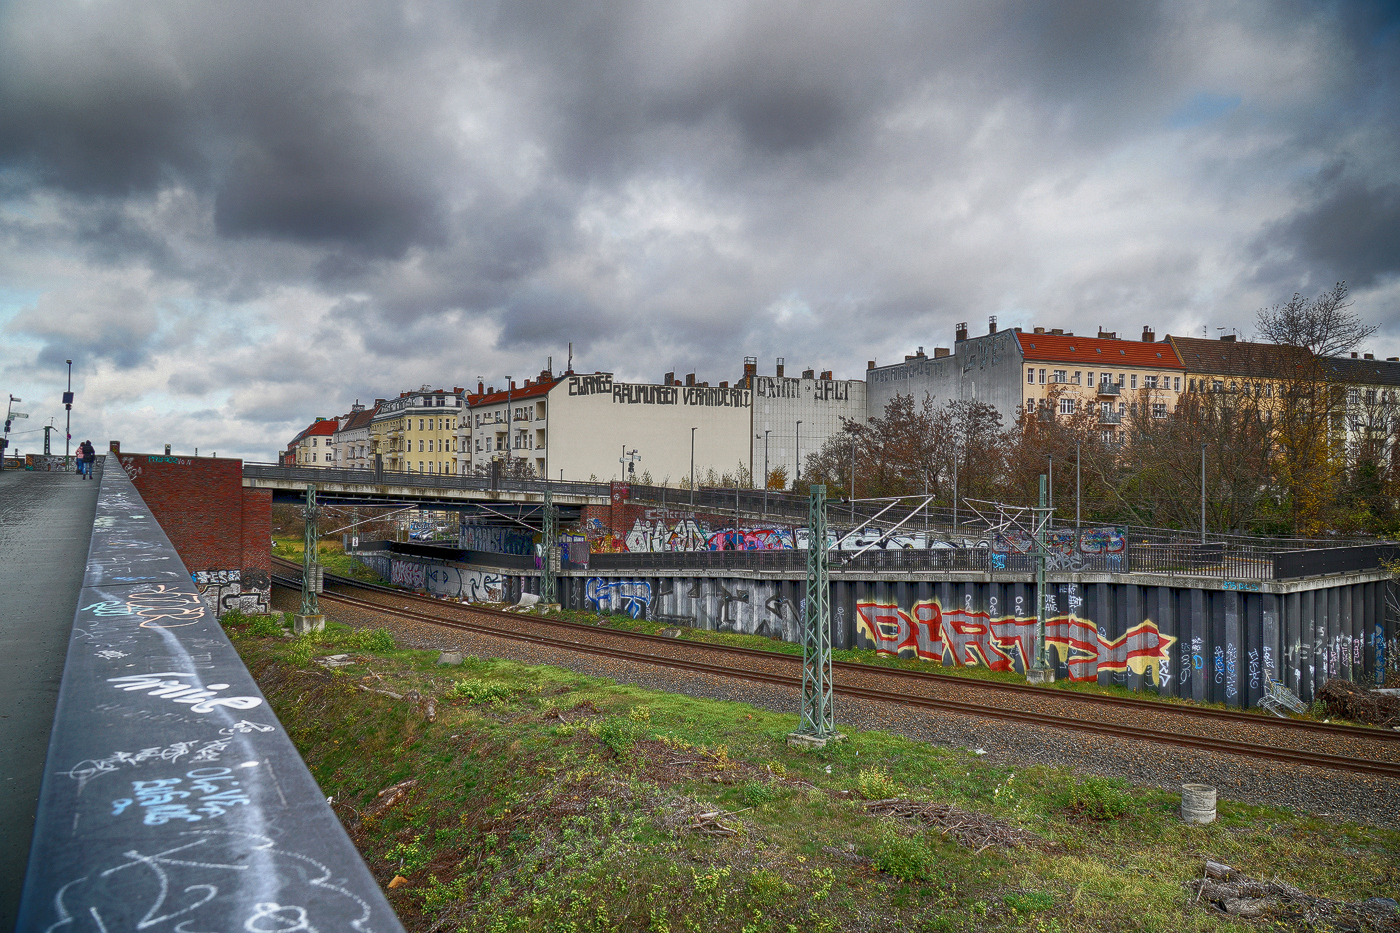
519	392
1091	351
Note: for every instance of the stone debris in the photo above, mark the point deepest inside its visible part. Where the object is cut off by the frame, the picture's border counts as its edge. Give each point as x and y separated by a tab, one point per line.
974	830
331	661
450	658
1230	891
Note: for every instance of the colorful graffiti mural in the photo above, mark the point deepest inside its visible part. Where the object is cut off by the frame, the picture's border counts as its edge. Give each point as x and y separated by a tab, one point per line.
962	636
1067	549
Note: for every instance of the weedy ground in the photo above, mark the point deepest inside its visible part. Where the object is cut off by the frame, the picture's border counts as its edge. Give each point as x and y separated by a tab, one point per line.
543	800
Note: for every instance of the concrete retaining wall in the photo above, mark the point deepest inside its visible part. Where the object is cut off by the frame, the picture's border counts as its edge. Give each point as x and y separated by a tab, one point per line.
1210	642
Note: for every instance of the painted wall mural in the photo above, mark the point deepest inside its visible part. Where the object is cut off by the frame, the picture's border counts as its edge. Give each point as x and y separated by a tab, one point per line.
962	636
1102	549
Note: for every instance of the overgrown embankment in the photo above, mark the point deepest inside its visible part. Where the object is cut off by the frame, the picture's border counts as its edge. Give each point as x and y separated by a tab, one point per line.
496	796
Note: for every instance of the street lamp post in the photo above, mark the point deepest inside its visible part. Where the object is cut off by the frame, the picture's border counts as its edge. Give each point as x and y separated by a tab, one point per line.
68	411
510	423
766	432
797	475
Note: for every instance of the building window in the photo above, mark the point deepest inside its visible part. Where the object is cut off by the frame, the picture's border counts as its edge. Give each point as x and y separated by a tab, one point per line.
1030	376
1076	378
1159	409
1121	379
1149	382
1066	406
1177	380
420	466
1042	377
1089	378
1106	436
1134	381
1122	408
1060	376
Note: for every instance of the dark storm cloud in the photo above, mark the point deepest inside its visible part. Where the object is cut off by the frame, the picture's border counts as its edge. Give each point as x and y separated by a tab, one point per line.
268	106
1351	231
115	323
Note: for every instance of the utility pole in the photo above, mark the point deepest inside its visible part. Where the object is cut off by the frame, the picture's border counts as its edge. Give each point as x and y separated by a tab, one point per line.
817	725
310	618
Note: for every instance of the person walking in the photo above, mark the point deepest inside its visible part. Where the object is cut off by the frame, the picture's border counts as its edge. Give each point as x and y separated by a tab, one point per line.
78	463
89	455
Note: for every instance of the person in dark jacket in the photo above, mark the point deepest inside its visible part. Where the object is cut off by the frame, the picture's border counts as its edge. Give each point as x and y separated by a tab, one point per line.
88	455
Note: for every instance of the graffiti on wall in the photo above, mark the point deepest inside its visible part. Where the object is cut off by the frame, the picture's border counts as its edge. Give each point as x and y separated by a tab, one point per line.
1067	549
406	573
224	591
964	636
496	540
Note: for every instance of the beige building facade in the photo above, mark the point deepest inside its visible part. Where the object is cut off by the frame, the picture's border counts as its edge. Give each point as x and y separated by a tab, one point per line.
415	433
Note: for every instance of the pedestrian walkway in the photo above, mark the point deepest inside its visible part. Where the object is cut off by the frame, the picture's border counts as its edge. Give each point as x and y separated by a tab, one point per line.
45	527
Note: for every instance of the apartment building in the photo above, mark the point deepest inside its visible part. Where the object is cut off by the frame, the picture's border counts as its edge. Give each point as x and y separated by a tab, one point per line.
352	438
415	433
986	368
794	416
1064	374
314	445
582	426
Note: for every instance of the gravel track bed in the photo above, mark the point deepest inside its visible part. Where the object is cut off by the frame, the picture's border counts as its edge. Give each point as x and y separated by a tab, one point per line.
1163	717
1325	792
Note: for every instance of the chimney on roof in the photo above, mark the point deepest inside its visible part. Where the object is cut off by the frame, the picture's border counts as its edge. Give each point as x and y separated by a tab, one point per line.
1368	356
546	375
961	333
378	402
512	384
490	390
357	406
1040	330
529	383
690	379
1392	359
869	364
1228	338
1353	356
809	374
1147	335
425	388
481	388
939	352
992	324
458	390
724	385
781	361
1057	331
826	375
1108	334
750	366
668	379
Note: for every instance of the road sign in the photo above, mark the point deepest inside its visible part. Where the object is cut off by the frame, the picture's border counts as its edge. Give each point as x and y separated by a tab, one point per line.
19	414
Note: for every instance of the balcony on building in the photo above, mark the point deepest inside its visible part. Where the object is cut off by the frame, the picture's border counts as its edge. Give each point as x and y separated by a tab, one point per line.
1110	417
1109	390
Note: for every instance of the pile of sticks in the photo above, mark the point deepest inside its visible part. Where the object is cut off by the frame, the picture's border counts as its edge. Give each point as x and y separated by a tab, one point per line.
974	830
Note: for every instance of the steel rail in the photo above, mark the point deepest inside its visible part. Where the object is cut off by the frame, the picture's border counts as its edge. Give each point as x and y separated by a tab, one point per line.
1089	699
1042	720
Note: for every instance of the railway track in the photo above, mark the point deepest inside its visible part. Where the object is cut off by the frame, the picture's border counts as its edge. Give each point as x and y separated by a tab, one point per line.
789	676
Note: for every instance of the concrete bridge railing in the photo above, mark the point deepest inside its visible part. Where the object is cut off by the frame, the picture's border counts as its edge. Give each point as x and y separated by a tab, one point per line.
173	798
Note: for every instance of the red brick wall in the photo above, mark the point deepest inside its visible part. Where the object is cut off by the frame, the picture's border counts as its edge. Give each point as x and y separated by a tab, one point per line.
213	522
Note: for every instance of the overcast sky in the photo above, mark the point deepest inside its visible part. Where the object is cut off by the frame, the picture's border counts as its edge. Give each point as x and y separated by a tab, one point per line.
234	217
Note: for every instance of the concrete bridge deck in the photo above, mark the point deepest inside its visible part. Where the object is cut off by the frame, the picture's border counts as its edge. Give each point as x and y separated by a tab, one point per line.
45	527
153	776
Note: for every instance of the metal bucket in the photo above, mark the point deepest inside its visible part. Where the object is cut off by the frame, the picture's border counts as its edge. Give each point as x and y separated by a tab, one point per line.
1198	803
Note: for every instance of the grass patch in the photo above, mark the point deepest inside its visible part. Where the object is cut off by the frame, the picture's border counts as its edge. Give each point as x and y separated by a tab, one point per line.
546	800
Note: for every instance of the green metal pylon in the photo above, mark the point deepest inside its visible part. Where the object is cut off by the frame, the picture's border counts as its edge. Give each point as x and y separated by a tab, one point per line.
550	539
1041	671
310	618
818	724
